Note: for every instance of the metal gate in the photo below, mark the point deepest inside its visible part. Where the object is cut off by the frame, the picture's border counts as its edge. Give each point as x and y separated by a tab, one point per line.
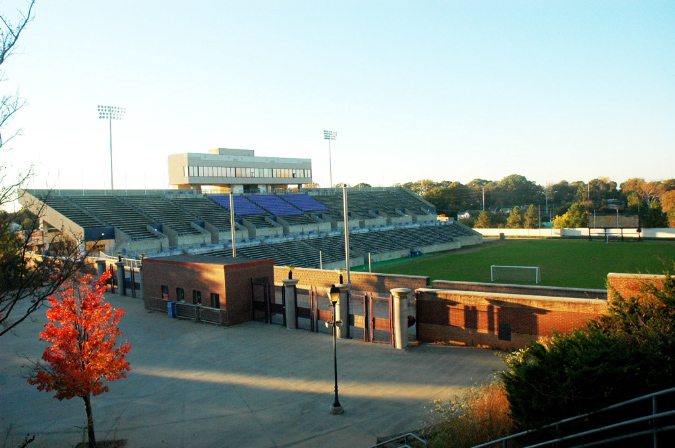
374	325
264	307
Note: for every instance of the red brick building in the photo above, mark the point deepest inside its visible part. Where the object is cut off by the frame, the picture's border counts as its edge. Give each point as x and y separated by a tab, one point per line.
216	282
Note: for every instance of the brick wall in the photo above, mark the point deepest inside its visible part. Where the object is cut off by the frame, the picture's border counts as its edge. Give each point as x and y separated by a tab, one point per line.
630	285
231	282
238	285
528	290
206	278
360	281
476	318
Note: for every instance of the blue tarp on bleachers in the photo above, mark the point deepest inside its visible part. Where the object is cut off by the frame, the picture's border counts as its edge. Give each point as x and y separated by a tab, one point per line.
303	202
274	205
242	206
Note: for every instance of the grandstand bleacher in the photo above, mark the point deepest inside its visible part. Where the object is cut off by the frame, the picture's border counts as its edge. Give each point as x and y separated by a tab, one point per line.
160	210
206	210
300	229
115	212
273	205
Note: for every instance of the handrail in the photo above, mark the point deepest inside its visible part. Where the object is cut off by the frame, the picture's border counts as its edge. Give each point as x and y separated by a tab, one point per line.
653	395
403	437
129	262
605	428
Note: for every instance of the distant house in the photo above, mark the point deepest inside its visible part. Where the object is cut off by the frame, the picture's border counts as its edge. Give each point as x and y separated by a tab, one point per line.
468	214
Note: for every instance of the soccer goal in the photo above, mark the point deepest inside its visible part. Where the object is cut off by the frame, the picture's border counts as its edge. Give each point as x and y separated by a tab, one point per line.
515	273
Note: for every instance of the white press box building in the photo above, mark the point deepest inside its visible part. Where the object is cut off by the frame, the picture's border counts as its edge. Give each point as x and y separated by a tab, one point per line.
225	170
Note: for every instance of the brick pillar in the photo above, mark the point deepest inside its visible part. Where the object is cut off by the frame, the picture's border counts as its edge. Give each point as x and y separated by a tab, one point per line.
121	289
400	317
341	311
291	304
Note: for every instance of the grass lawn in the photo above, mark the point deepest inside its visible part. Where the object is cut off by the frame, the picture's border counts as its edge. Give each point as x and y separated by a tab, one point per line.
568	263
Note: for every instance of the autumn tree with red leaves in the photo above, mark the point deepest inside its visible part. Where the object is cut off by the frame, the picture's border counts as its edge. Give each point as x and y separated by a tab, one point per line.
83	330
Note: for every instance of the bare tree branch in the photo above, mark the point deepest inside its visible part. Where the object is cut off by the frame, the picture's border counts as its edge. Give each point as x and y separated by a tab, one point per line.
9	33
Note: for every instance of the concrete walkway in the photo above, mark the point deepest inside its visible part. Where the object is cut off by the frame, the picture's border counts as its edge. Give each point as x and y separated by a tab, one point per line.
252	385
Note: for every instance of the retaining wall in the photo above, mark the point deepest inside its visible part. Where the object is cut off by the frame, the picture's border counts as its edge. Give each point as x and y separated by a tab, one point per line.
360	281
527	290
504	321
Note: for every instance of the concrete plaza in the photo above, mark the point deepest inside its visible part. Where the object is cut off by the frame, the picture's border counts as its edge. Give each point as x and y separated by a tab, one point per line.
252	385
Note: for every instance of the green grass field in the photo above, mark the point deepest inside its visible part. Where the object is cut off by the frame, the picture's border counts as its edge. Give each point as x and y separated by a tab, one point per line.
567	263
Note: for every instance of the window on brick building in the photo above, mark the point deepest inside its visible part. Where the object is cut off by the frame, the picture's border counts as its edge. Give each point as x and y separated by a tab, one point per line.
215	300
180	294
165	292
504	332
196	296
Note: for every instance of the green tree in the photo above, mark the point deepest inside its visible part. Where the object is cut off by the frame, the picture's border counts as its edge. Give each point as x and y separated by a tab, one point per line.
574	217
668	204
450	199
655	216
421	187
490	220
516	219
562	193
627	353
516	190
532	217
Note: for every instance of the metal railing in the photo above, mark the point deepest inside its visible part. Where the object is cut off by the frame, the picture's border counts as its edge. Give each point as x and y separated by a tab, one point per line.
405	439
128	262
651	420
200	313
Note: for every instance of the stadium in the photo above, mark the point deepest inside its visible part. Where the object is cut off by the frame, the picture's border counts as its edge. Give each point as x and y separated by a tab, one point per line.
231	195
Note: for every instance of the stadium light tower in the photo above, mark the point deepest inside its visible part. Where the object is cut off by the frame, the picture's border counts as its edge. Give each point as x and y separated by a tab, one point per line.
111	113
330	135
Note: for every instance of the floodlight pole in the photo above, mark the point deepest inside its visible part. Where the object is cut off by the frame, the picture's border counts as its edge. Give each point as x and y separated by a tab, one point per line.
346	219
232	227
330	135
111	113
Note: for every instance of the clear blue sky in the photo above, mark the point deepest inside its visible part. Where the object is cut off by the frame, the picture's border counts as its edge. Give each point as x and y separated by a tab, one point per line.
451	90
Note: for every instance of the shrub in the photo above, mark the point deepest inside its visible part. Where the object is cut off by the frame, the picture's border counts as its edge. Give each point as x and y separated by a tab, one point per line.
625	354
478	416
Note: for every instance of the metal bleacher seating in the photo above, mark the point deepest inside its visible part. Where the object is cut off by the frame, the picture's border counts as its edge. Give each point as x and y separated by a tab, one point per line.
160	210
246	209
206	210
242	206
116	213
273	205
73	212
303	202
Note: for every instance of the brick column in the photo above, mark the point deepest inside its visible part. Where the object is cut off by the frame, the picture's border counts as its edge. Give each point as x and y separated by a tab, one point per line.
341	311
121	289
291	303
400	317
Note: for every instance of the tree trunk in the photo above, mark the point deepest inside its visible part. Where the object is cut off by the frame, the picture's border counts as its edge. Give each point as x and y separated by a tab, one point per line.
90	421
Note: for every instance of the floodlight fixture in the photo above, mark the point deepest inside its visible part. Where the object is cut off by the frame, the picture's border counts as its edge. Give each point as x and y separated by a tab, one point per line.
330	135
111	113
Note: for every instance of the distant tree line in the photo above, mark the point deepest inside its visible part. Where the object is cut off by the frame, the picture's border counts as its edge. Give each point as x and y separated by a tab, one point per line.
515	201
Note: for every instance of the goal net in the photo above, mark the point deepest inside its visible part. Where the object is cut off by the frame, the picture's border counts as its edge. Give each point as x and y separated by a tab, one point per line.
515	273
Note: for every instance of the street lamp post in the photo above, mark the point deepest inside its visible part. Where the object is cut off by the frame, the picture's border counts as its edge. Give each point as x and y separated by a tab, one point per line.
334	296
330	135
111	113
